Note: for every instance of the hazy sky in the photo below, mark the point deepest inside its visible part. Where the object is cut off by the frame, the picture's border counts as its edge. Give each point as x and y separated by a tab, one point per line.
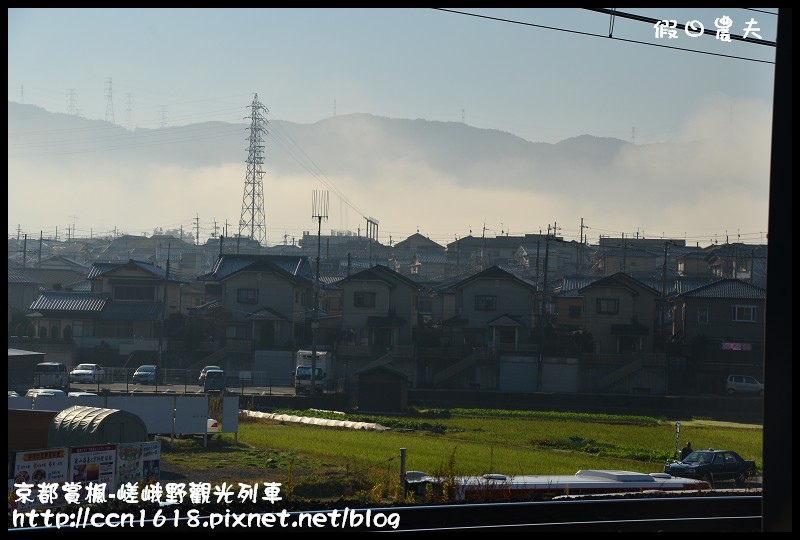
542	74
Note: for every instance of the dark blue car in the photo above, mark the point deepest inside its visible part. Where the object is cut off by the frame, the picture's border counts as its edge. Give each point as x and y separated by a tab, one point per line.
713	466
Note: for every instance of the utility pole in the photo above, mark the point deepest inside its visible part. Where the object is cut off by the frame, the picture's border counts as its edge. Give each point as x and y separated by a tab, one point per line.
663	295
372	235
542	313
624	253
582	249
319	210
163	313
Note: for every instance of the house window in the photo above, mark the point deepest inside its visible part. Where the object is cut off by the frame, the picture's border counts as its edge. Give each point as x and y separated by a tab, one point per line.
236	331
702	315
485	302
425	305
575	312
744	313
608	306
364	299
214	289
247	296
136	294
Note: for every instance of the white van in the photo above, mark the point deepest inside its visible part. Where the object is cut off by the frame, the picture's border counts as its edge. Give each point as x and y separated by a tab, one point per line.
51	375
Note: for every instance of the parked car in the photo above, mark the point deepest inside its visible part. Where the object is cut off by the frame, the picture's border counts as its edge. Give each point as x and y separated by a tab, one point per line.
713	466
39	392
51	375
214	381
212	426
145	374
203	372
87	373
80	394
744	384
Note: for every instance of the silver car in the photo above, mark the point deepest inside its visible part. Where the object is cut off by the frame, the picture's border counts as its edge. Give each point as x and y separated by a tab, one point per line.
87	373
145	374
744	384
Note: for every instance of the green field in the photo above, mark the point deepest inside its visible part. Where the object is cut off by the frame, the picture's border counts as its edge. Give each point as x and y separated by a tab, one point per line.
459	441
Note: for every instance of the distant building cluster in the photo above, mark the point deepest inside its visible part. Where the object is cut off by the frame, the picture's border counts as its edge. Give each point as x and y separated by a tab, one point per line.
515	313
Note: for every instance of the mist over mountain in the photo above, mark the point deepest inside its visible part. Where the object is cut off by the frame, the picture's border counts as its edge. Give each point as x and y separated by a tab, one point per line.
406	171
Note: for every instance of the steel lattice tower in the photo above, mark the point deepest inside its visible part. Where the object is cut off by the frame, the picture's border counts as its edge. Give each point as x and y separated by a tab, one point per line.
251	223
109	102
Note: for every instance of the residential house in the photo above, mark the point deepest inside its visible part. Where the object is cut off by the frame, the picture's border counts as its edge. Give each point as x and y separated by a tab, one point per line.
488	340
429	266
694	264
379	308
628	260
257	302
22	291
620	313
569	303
553	256
725	319
739	261
124	309
418	243
342	244
620	318
420	258
494	308
379	321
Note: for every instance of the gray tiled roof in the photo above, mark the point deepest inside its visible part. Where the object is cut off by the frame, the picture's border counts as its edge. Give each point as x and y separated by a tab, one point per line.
101	268
16	276
51	276
438	258
93	305
728	288
70	301
296	266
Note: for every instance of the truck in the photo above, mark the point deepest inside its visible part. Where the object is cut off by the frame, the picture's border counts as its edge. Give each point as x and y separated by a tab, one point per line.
302	372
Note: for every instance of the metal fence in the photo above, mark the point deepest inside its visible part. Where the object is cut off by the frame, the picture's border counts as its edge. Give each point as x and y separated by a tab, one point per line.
188	381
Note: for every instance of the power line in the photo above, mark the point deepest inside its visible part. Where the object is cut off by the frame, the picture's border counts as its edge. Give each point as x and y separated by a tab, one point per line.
761	11
511	21
651	20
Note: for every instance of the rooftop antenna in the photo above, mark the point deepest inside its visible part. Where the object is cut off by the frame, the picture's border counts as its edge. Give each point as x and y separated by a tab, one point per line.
319	210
